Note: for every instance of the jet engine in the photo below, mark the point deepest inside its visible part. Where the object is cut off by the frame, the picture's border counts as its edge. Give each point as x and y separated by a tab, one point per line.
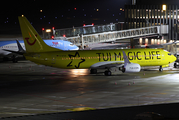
131	67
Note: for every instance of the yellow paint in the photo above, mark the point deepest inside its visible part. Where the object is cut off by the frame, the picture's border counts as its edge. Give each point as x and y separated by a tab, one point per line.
81	109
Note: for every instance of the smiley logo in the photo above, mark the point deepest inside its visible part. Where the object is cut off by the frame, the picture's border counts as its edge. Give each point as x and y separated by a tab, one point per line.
27	39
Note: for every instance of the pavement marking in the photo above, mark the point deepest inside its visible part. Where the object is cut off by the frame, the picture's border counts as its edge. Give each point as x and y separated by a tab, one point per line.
81	109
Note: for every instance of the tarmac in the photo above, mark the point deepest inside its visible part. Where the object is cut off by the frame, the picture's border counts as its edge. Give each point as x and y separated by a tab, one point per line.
30	92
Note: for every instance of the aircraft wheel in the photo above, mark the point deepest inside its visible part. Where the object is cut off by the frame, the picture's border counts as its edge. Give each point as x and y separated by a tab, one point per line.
119	69
14	59
175	65
123	69
93	71
107	73
160	69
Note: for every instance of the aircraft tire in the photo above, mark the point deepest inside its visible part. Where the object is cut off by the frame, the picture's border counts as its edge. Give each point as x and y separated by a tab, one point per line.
107	73
160	69
123	69
175	65
93	71
14	59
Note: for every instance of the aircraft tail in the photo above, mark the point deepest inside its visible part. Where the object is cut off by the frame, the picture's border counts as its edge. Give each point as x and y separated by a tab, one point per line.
33	42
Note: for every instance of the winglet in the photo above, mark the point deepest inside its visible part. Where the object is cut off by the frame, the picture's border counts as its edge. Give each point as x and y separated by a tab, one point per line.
33	41
20	47
126	60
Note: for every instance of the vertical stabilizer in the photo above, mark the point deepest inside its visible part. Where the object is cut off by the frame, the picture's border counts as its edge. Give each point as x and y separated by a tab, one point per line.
33	42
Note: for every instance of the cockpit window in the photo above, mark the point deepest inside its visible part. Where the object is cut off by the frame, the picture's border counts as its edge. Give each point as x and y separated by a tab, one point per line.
169	54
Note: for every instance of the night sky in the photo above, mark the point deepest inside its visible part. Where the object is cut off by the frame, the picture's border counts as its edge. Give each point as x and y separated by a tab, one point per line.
64	14
60	14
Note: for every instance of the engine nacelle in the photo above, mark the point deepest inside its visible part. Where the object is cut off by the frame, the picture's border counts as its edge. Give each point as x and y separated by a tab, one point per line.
131	67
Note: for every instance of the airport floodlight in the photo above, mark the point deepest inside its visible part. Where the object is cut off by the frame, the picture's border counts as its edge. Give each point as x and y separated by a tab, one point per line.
164	7
48	30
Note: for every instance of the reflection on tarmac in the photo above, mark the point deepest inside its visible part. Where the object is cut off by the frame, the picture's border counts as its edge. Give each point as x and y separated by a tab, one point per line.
27	88
78	72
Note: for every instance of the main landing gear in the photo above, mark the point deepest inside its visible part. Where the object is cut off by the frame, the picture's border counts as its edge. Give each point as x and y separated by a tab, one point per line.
93	71
107	72
14	59
160	69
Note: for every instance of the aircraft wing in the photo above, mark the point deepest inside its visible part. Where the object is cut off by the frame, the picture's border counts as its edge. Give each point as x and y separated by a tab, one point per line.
17	52
111	64
108	64
21	51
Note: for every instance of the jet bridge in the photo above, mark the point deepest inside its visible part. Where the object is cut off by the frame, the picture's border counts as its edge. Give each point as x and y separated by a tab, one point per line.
82	40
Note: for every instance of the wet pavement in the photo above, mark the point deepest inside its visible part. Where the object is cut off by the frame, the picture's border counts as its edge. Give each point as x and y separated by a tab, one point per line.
30	89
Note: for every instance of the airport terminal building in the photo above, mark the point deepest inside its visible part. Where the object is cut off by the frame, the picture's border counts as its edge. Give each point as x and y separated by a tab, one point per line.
140	15
137	16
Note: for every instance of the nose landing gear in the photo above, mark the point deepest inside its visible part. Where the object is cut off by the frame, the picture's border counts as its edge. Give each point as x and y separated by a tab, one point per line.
160	69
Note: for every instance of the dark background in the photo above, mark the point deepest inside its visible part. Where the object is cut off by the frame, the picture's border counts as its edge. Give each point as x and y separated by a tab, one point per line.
62	14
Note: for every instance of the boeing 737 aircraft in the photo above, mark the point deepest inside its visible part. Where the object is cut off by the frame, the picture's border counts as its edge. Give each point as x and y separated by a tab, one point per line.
12	45
127	60
7	47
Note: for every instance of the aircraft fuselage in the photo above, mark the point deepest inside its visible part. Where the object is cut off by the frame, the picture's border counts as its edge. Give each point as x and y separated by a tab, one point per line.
86	58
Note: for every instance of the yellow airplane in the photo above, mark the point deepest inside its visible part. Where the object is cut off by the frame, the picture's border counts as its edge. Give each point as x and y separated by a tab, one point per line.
127	60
